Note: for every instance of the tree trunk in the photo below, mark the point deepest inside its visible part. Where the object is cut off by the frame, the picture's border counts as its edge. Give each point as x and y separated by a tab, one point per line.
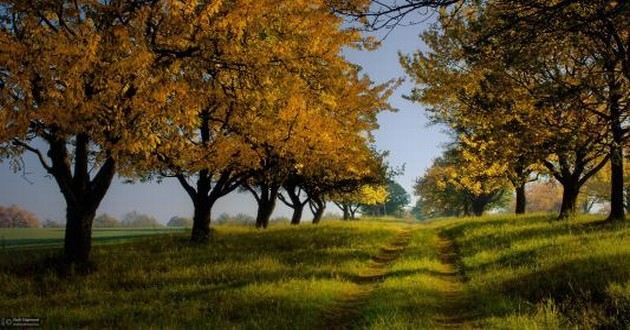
202	205
617	212
82	194
346	212
265	210
570	193
201	220
478	206
78	239
353	212
466	209
298	209
266	205
616	148
521	199
294	192
318	207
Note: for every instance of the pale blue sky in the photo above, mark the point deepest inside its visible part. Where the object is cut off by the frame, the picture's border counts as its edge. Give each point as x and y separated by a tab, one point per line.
404	133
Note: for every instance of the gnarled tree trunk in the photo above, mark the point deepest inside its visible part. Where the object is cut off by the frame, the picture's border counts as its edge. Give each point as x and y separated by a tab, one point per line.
345	208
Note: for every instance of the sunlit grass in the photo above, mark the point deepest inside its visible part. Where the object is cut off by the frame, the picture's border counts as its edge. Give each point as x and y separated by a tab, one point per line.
280	278
534	272
527	272
409	295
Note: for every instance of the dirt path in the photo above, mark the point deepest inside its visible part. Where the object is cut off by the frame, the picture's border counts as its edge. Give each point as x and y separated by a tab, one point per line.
347	309
456	310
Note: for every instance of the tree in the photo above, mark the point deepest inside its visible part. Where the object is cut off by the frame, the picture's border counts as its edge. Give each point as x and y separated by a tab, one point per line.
264	70
17	217
597	190
469	87
388	14
350	202
417	211
456	184
106	221
84	86
478	101
397	200
179	222
595	33
317	205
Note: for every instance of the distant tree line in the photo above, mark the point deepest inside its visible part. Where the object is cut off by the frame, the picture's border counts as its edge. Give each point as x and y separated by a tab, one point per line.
17	217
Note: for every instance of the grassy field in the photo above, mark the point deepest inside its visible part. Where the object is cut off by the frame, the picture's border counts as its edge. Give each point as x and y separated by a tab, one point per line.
27	238
492	272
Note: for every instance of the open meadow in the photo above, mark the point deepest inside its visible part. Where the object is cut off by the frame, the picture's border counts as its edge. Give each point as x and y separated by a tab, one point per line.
490	272
25	238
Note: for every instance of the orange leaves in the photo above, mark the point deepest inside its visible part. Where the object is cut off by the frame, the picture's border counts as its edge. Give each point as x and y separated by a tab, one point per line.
189	85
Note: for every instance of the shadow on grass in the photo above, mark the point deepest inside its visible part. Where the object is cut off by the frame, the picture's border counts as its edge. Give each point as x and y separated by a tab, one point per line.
588	277
577	286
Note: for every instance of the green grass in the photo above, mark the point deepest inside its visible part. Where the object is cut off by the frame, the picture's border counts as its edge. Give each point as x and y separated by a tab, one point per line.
517	273
409	296
281	278
527	272
533	272
23	238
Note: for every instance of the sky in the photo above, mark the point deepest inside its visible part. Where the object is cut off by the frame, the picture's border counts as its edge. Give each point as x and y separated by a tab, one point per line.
404	134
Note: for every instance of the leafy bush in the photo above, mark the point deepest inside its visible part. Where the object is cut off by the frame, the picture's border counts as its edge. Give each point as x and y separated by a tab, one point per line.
17	217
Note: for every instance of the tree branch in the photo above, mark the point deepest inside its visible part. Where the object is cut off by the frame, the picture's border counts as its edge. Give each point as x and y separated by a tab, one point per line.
189	189
37	152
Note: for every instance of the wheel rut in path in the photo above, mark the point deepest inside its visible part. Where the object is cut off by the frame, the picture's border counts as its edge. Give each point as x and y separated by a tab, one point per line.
343	313
455	309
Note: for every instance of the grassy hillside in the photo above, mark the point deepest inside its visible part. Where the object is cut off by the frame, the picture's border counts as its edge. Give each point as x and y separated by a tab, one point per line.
491	272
